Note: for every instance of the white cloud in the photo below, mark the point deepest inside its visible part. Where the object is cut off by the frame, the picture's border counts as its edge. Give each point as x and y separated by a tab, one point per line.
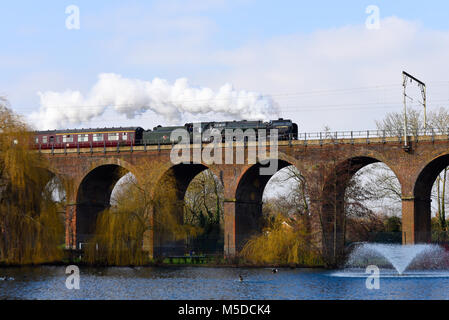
324	61
133	97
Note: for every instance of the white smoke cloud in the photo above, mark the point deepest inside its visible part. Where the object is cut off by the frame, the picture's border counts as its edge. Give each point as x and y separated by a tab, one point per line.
133	97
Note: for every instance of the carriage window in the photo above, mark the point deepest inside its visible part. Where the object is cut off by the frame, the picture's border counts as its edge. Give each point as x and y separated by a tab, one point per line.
113	136
44	139
37	140
67	138
83	137
98	137
125	136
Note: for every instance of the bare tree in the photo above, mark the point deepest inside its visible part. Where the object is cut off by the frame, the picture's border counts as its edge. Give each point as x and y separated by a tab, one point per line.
436	119
297	199
393	123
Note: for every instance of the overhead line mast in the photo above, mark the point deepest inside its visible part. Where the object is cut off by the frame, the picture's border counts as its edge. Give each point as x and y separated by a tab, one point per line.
422	86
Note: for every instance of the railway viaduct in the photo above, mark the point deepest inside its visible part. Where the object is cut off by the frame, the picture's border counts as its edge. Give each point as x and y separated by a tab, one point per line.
326	161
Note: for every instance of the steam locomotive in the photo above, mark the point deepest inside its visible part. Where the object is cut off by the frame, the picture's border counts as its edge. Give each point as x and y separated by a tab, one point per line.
134	136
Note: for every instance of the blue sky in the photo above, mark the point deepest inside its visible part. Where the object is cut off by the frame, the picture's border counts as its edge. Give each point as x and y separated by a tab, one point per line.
282	47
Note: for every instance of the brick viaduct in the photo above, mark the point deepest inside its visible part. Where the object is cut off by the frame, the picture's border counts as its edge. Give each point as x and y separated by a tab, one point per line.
327	165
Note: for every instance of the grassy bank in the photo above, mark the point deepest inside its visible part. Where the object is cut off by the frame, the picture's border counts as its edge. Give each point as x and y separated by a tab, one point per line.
75	257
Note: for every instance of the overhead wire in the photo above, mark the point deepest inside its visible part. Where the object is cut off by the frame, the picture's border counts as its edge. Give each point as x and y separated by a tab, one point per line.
387	88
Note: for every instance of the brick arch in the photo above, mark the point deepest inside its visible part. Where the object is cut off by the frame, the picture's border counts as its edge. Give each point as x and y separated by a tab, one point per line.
428	172
49	173
422	189
281	157
367	156
347	168
181	175
427	176
248	199
332	202
103	162
92	196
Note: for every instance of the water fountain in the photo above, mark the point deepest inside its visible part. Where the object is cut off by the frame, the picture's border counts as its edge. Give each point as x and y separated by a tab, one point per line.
422	257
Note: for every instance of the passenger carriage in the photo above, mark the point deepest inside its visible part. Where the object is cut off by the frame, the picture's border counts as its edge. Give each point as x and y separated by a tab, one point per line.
83	138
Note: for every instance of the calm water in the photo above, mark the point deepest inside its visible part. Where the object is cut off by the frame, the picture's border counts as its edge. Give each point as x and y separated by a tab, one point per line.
218	283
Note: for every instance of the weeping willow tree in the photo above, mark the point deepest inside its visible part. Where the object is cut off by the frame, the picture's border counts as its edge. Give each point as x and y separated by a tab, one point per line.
284	241
143	212
288	235
31	228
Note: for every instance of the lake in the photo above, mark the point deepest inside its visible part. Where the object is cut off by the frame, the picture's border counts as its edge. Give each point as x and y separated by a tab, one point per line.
48	282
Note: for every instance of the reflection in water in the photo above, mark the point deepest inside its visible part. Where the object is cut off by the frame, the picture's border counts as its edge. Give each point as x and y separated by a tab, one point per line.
215	283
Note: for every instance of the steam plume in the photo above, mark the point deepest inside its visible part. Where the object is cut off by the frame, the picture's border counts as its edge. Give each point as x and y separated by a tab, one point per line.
133	97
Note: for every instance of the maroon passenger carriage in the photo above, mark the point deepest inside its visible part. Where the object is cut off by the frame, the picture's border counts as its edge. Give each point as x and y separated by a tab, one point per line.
84	138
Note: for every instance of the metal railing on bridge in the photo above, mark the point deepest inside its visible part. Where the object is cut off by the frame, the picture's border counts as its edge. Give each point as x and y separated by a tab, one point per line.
323	137
414	135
